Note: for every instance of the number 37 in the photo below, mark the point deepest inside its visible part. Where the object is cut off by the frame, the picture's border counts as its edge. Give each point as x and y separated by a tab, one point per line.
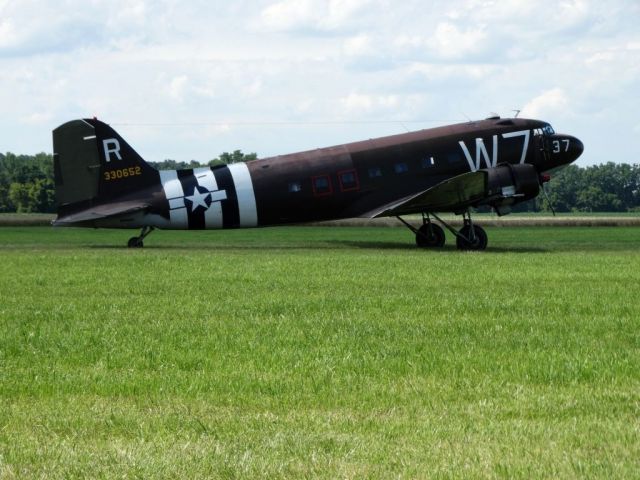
556	145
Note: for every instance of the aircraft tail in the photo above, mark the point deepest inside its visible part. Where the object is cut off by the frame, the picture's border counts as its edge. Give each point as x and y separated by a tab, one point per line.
94	165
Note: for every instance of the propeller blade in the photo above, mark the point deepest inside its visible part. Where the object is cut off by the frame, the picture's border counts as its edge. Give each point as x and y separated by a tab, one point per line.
546	195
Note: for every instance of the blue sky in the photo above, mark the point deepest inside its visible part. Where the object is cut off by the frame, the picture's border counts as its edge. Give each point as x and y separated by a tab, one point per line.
191	79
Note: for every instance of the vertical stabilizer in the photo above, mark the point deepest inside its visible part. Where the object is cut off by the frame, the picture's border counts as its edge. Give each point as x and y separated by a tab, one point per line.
94	165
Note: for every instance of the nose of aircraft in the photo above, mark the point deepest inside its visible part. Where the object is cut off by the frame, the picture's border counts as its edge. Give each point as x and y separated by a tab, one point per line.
563	149
576	147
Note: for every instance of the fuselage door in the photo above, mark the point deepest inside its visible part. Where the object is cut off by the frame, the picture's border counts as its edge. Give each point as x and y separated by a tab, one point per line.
541	146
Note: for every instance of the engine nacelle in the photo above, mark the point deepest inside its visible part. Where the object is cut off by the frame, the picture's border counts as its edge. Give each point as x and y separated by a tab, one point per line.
510	184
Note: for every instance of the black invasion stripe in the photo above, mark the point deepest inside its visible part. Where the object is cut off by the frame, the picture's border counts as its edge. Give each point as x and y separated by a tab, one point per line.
189	183
230	209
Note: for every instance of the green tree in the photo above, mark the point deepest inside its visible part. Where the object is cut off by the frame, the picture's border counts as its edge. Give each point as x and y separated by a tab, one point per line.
19	196
169	164
564	187
6	205
26	183
236	156
36	196
593	199
43	195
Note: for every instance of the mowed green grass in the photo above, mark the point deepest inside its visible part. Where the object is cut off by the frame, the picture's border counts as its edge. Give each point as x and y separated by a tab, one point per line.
319	352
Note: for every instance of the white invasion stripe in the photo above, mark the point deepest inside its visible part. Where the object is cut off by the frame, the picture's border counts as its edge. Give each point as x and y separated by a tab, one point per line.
176	203
213	214
90	137
173	191
244	191
205	178
179	218
171	184
218	196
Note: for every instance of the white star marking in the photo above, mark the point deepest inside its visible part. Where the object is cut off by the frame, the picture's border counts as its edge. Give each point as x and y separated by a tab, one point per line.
198	199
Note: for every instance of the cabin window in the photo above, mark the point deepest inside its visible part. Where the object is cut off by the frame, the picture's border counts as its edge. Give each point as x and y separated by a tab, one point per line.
427	162
375	172
322	185
348	180
295	187
400	167
454	158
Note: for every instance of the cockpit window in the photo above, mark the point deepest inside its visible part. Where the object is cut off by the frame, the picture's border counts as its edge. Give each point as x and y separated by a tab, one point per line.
548	130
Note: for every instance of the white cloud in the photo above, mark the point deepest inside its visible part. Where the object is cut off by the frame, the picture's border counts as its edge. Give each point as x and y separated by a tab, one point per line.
260	62
131	12
409	41
449	41
288	14
360	103
37	118
177	87
314	15
441	75
342	11
547	104
254	88
359	45
573	12
8	33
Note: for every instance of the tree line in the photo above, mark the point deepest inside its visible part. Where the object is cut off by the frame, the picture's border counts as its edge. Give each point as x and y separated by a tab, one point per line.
607	187
27	184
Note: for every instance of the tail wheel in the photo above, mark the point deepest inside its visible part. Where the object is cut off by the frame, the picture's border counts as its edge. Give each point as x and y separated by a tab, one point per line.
466	240
430	235
136	242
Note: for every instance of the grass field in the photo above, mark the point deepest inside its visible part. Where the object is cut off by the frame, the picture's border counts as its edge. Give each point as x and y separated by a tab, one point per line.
319	352
540	219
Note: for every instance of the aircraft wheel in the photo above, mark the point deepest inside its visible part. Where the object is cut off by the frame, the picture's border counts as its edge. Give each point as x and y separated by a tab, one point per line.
430	236
478	243
135	242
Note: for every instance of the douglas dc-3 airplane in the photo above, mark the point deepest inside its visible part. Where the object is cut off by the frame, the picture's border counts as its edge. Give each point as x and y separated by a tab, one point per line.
102	182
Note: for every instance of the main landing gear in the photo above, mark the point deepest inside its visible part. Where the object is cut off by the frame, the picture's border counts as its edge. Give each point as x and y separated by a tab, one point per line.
431	235
136	242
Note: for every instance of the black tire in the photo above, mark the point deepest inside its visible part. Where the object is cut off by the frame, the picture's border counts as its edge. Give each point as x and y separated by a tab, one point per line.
135	242
430	236
464	242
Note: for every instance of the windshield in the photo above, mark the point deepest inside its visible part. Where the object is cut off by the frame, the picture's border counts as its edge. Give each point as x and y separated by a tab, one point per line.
548	130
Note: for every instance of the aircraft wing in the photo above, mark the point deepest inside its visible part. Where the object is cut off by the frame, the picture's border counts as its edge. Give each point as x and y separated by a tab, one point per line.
453	194
98	212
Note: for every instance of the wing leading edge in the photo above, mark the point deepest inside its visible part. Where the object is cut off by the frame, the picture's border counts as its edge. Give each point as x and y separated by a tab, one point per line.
453	194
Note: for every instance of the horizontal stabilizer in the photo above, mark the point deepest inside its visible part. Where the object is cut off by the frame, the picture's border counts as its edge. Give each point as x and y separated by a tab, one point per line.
99	212
451	195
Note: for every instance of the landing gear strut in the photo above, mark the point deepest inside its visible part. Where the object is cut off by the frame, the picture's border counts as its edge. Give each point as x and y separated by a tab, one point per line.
136	242
431	235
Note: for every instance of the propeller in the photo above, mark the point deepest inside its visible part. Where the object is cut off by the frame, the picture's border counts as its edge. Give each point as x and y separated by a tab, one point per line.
544	179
